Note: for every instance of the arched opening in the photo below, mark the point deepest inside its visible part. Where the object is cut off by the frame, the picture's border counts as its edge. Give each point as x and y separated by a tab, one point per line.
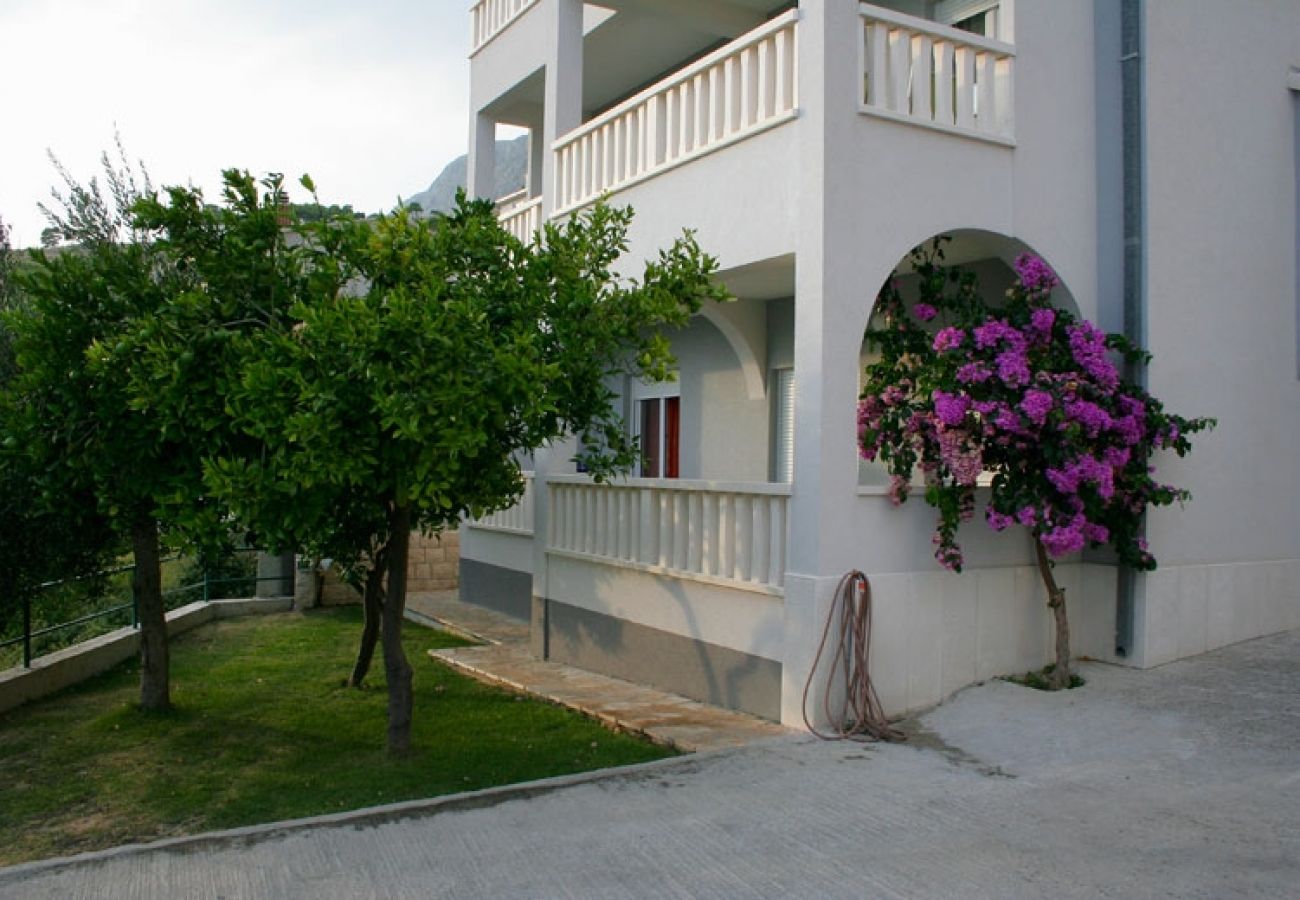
988	256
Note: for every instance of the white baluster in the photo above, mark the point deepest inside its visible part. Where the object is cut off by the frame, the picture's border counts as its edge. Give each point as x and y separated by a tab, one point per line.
899	77
667	528
744	516
922	76
964	63
681	531
759	550
695	536
776	532
986	117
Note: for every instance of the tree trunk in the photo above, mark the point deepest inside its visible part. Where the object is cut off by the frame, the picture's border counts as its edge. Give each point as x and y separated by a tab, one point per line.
146	587
1061	673
373	603
396	667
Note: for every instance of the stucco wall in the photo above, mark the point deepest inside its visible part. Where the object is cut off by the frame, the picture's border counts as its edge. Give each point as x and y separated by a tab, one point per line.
1221	271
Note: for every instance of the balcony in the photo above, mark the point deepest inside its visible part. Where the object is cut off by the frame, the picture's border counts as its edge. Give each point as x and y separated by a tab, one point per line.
922	73
520	215
488	18
911	70
517	519
739	90
730	534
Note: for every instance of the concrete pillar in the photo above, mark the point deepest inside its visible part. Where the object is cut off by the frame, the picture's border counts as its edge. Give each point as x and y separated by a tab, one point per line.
563	111
536	162
480	180
831	300
279	570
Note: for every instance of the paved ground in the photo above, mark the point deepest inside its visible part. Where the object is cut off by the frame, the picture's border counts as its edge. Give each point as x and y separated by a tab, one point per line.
505	659
1179	782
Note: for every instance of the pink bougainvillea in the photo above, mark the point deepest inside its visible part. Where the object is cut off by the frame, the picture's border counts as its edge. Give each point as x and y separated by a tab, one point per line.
1025	393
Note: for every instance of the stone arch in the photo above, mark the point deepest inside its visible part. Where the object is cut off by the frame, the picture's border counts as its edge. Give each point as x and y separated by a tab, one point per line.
744	326
991	255
979	248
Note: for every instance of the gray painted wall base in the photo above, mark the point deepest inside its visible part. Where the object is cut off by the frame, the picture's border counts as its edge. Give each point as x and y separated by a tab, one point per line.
702	671
507	591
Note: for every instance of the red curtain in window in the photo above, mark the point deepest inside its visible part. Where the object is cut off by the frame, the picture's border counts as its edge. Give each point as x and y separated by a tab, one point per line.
672	431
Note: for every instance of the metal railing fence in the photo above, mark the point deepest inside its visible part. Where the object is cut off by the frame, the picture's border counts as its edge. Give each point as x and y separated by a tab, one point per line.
207	588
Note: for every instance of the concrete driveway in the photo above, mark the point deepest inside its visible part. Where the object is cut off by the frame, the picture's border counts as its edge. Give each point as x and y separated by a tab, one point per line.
1183	781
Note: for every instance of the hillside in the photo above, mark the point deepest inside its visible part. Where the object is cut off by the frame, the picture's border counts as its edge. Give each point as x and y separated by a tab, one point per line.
512	167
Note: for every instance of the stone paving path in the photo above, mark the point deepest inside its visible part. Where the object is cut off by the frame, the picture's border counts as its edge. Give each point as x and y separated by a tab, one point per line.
505	659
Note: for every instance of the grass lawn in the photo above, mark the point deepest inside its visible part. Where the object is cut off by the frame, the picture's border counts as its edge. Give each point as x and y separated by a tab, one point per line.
264	729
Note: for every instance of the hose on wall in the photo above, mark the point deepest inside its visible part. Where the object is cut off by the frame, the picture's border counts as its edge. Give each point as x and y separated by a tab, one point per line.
860	716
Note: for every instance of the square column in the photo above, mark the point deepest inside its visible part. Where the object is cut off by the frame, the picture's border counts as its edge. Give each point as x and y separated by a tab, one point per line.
480	179
563	111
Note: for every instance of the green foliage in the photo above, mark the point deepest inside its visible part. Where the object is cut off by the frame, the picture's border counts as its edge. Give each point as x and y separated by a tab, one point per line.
1041	679
305	213
229	572
400	361
39	542
266	731
367	377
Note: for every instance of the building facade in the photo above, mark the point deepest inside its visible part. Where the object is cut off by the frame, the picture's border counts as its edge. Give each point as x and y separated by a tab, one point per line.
1147	149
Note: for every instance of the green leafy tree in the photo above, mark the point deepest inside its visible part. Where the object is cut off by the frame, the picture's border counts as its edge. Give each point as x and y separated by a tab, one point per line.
37	543
419	358
72	413
1029	394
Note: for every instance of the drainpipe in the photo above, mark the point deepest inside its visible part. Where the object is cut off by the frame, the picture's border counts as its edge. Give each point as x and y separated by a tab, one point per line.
1132	112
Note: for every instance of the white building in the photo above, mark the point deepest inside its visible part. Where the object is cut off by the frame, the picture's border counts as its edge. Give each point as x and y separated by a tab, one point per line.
1147	149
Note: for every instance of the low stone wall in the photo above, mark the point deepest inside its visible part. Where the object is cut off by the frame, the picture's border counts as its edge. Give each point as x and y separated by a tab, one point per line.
433	565
74	664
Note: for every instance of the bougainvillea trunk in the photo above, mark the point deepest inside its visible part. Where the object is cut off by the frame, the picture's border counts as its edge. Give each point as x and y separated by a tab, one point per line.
1061	674
396	667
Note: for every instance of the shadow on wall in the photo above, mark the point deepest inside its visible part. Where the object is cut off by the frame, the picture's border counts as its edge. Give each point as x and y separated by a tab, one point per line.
682	662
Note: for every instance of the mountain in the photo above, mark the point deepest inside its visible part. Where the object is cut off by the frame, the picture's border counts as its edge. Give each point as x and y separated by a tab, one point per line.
512	167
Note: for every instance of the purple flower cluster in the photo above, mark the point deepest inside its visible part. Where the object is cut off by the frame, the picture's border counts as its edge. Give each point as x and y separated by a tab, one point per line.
1014	391
1088	346
1035	276
1085	469
899	487
998	521
1036	405
992	332
1013	367
961	455
1092	417
950	408
948	339
974	373
1041	322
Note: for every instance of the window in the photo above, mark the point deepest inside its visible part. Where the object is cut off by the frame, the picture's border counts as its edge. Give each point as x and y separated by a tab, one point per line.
657	423
980	17
783	425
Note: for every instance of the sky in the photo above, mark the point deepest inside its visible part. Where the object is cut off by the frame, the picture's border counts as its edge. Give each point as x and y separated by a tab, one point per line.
369	97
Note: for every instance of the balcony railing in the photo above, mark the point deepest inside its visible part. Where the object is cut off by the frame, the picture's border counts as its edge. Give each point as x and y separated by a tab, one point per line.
523	220
517	519
733	93
488	18
917	71
725	533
